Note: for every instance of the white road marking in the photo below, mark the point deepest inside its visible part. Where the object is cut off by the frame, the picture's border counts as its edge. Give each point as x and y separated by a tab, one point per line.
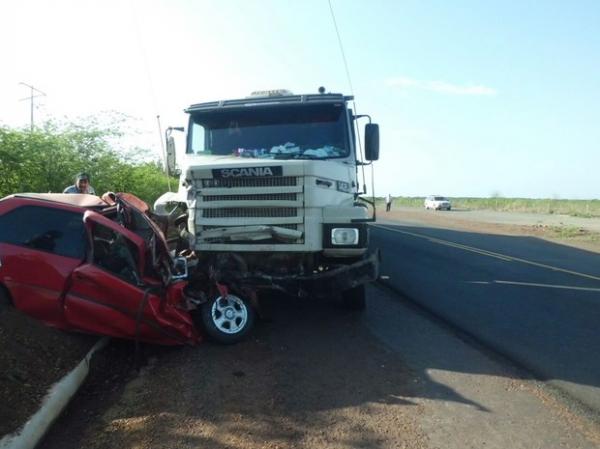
533	284
493	254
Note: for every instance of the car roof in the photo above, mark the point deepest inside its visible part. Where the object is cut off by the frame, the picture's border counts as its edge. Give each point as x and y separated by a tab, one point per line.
72	199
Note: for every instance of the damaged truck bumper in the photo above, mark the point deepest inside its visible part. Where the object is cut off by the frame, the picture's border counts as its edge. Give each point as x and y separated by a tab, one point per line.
325	283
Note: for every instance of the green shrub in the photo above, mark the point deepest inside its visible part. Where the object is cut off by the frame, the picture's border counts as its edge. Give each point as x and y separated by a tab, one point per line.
47	159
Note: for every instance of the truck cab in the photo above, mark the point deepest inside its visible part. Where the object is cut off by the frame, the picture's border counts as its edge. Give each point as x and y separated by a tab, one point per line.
271	186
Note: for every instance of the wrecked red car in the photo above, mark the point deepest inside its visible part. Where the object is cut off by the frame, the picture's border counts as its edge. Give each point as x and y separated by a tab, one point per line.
102	266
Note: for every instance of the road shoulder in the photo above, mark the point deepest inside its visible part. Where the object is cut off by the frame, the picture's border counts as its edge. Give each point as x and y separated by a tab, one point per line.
471	398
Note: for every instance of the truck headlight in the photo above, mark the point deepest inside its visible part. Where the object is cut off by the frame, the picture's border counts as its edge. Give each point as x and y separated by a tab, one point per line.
344	236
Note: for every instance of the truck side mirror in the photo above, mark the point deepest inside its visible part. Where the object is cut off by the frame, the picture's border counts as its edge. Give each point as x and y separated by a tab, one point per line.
371	141
170	163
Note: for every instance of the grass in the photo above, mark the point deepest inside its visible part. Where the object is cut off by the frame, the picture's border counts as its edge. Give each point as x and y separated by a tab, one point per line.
575	208
568	232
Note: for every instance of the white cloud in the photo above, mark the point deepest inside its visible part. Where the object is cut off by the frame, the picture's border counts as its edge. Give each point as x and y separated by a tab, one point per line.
440	86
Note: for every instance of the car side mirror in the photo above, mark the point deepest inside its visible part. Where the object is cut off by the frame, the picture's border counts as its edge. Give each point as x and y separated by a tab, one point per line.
371	141
180	268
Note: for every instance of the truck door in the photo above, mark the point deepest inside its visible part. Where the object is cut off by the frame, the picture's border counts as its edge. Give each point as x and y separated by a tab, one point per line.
106	293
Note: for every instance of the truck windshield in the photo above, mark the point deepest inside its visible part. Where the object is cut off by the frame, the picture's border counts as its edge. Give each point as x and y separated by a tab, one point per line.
272	132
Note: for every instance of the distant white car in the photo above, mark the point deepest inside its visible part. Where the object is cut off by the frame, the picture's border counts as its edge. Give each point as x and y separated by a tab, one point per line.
437	203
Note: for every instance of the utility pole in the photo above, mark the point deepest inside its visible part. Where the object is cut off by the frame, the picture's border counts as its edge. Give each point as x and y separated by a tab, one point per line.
30	98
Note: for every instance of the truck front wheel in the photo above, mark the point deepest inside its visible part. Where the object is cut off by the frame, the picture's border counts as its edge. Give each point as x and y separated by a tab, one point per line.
354	298
227	319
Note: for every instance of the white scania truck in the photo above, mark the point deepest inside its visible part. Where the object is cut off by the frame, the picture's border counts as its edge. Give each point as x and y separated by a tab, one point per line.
270	186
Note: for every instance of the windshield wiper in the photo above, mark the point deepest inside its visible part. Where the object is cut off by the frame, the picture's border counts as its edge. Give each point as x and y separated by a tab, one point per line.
309	156
297	156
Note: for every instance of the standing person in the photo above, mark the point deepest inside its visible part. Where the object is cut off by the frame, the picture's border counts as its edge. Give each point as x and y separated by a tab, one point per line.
388	202
82	185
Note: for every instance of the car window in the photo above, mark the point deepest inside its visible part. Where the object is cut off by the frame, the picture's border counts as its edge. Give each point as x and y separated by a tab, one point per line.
46	229
115	253
440	198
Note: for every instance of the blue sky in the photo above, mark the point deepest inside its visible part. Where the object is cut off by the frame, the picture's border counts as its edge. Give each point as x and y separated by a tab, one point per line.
473	98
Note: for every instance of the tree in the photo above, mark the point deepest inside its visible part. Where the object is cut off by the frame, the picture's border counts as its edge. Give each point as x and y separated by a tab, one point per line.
47	159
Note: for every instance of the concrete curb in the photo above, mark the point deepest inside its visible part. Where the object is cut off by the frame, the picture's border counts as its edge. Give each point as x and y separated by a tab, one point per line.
53	404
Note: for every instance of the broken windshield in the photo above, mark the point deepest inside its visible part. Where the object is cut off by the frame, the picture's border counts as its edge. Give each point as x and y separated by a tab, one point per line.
282	132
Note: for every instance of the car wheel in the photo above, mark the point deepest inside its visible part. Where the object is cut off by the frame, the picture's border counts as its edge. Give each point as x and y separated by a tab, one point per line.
355	298
5	300
228	319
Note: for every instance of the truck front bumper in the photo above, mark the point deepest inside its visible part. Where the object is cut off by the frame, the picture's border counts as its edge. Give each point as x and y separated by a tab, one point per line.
325	283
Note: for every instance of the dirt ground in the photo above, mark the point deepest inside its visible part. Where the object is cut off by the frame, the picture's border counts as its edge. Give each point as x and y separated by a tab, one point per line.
32	357
301	382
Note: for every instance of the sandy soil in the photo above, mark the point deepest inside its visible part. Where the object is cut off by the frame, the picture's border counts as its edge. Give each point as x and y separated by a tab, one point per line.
32	358
304	381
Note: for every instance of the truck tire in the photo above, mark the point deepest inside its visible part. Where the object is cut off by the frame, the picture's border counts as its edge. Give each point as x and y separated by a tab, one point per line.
355	298
227	320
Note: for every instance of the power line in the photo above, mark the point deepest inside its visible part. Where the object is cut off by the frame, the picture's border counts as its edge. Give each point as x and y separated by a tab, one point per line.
30	98
341	48
341	45
146	65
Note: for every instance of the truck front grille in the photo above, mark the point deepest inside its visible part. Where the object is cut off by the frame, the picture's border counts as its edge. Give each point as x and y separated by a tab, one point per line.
249	201
287	226
278	181
250	212
253	197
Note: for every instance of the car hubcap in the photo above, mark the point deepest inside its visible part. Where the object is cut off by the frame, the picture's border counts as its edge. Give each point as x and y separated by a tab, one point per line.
229	314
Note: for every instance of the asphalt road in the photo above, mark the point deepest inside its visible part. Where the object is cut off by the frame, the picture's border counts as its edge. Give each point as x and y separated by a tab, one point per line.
534	301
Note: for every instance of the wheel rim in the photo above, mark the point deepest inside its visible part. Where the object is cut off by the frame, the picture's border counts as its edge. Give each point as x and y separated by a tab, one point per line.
229	314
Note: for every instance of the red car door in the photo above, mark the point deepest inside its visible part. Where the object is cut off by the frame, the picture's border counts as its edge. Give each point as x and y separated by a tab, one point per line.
107	296
39	248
